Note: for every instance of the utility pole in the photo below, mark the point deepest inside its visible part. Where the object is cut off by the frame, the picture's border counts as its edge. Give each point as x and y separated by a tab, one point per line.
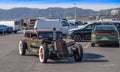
75	12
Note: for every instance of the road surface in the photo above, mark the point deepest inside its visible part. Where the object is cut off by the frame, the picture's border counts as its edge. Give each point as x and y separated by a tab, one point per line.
96	59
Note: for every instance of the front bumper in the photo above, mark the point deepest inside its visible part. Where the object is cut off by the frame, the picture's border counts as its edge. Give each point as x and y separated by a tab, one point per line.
105	42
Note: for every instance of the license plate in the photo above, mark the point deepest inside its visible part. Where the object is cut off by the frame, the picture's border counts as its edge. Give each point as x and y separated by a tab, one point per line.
104	38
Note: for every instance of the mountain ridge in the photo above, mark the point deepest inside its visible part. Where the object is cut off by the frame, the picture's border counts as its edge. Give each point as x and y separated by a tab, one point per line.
51	12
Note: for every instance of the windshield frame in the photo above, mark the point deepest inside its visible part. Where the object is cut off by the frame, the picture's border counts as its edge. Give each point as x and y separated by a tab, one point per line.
49	35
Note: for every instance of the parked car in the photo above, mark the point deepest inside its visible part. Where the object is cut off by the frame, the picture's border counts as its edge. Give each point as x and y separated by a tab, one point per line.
105	34
83	32
49	44
5	29
14	25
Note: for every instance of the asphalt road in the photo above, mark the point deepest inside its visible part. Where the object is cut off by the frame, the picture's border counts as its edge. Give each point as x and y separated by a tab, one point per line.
97	59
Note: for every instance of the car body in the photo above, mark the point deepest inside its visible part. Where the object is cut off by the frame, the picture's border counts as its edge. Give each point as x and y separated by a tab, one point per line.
105	34
83	32
49	44
5	29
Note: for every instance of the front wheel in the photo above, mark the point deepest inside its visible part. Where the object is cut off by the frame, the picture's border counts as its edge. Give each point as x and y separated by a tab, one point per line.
15	31
43	56
92	44
77	37
117	44
22	47
78	54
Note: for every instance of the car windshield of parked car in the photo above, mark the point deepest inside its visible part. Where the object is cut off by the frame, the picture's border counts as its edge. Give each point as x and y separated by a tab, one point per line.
82	26
49	35
105	28
90	27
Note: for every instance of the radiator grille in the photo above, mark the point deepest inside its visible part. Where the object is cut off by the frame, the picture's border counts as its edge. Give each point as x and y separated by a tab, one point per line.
61	46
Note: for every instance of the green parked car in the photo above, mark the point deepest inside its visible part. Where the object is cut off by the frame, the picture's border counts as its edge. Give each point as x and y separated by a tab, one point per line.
105	34
49	44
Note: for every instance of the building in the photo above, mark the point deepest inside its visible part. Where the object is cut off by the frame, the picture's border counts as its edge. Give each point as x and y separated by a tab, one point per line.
114	12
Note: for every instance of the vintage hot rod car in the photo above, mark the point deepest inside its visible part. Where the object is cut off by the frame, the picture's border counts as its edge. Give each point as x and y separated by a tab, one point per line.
49	44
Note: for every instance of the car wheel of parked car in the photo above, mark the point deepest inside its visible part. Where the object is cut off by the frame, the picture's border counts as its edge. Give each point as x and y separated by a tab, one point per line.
92	44
77	38
78	54
9	30
22	47
43	56
15	31
117	44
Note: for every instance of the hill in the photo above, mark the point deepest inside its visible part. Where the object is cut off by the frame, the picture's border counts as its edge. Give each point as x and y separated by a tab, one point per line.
55	12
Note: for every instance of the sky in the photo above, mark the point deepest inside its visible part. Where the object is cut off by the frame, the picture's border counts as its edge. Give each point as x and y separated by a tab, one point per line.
85	4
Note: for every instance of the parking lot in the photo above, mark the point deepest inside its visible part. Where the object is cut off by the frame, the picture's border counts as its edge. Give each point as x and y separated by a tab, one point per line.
96	59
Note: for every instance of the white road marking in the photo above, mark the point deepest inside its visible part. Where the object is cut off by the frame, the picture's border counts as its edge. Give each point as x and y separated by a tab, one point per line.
107	65
87	45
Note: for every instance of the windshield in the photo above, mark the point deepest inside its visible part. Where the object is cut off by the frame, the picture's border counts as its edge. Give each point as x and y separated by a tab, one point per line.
82	26
49	35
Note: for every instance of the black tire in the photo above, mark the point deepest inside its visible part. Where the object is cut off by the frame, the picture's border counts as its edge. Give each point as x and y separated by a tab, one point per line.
117	44
15	31
92	44
77	38
9	30
43	55
78	54
22	47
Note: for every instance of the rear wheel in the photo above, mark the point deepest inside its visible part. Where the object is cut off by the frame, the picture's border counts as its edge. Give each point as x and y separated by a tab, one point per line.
22	47
78	54
15	31
92	44
117	44
43	56
77	37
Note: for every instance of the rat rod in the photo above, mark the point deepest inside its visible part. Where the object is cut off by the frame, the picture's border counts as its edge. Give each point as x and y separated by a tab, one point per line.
49	44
